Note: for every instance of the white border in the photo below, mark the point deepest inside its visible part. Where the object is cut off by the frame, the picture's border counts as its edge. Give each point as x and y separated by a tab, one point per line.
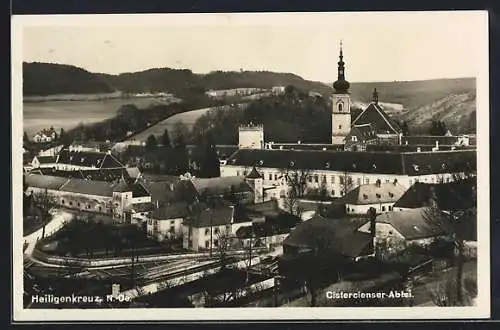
481	310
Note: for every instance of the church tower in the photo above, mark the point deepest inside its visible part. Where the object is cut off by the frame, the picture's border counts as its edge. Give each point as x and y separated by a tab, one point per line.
341	105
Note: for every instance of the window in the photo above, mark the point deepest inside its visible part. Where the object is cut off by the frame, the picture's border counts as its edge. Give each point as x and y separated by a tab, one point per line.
237	173
270	176
341	179
244	172
275	176
100	208
359	181
310	179
63	202
354	138
333	193
387	180
378	195
340	106
70	203
332	179
323	178
365	196
340	126
207	231
383	208
78	204
88	206
207	244
172	223
390	208
349	180
316	179
216	242
216	230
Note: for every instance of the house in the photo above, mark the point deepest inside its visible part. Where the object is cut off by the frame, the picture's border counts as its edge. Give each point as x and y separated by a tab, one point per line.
397	230
44	162
51	151
378	195
105	174
114	199
90	146
206	227
165	223
86	160
45	135
359	137
328	237
338	170
449	196
224	187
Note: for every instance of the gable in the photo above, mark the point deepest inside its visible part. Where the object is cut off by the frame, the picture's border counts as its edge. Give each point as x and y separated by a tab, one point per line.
380	121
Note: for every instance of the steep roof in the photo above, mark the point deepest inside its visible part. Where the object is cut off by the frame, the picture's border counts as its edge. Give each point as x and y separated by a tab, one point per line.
220	185
335	235
413	224
449	196
46	159
86	187
254	174
374	193
171	211
409	163
88	159
205	216
364	132
374	114
45	181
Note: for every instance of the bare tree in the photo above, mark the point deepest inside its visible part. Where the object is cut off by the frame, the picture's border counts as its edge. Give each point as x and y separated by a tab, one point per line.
346	182
45	202
296	180
452	222
224	240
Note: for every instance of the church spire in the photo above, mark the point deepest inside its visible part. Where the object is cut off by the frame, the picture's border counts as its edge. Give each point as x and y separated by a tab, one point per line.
341	85
375	96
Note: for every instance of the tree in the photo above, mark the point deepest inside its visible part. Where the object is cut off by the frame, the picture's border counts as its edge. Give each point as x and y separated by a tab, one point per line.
165	139
26	139
438	128
346	182
224	240
404	128
45	202
454	223
180	154
208	158
151	143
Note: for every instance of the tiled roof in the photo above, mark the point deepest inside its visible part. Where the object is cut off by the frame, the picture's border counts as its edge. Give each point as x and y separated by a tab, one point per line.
88	159
143	207
449	196
254	174
381	122
413	224
171	211
46	159
334	235
373	193
97	188
105	174
206	217
220	185
45	181
416	163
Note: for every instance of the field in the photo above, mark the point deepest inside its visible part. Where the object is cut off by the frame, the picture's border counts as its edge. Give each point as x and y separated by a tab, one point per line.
187	118
68	114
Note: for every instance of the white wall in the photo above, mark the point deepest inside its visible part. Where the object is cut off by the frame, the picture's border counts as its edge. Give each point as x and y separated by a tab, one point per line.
363	209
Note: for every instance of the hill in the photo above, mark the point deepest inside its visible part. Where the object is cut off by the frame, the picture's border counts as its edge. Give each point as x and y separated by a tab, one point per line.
413	94
43	79
48	79
458	111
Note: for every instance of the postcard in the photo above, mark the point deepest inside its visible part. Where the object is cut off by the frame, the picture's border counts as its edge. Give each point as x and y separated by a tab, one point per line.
250	166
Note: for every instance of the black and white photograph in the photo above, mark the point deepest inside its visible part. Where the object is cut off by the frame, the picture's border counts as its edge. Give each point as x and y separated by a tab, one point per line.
250	166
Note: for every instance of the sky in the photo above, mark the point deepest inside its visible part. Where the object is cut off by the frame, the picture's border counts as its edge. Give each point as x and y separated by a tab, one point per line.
383	46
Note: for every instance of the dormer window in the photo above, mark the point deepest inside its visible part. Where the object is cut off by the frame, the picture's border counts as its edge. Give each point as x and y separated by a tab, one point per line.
261	162
292	163
374	166
327	165
415	167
